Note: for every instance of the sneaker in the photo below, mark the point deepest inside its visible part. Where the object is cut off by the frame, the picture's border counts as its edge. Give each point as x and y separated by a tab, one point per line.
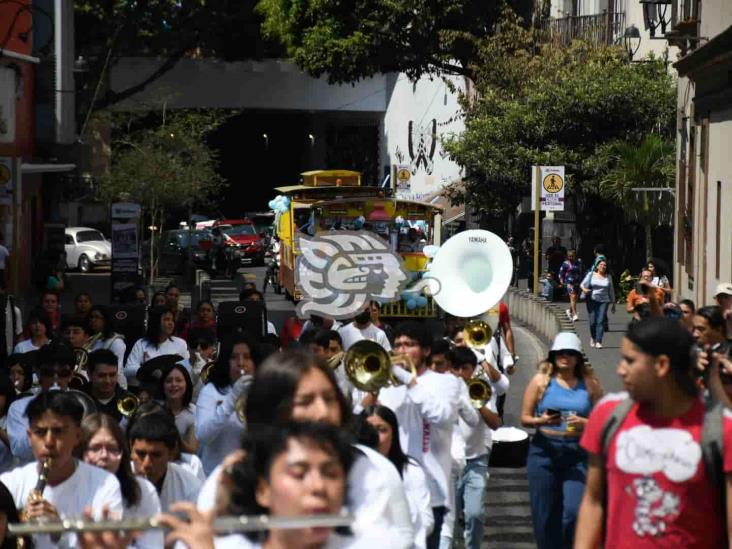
598	345
569	314
575	318
592	342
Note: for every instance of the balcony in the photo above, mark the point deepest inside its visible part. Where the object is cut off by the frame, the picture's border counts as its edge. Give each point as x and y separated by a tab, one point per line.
599	30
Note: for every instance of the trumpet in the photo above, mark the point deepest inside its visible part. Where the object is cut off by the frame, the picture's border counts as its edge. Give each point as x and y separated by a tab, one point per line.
477	333
221	525
368	366
127	405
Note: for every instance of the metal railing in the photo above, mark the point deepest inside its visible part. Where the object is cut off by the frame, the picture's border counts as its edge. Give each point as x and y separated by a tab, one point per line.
601	29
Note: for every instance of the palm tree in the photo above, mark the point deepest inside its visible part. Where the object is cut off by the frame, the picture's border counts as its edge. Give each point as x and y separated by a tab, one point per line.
647	164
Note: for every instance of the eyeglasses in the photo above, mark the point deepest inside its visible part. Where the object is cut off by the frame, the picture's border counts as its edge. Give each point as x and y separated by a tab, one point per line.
98	449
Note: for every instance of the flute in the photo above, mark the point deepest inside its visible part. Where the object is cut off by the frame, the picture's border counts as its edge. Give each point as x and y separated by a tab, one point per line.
222	525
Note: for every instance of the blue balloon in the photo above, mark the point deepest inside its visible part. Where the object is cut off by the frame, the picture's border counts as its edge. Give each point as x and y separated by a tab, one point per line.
412	304
272	205
421	301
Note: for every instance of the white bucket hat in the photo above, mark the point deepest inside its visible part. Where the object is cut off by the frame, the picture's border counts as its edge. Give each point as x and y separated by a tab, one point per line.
566	341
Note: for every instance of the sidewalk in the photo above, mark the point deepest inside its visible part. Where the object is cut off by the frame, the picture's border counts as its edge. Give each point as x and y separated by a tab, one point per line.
606	359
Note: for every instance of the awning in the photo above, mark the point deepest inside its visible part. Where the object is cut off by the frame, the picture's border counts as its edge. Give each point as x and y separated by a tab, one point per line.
46	168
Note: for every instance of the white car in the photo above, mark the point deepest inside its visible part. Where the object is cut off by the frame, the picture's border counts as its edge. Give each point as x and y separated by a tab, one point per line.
86	249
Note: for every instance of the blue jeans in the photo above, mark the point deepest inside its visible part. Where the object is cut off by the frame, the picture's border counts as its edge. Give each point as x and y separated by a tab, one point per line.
470	498
597	311
556	469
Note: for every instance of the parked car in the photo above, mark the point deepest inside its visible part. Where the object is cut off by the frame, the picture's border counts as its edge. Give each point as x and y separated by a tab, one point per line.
243	243
172	250
86	249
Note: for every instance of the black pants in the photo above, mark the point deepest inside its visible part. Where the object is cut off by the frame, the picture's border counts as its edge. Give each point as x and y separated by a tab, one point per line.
433	540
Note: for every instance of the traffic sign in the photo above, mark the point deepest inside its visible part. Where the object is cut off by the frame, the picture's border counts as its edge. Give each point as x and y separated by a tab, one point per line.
552	187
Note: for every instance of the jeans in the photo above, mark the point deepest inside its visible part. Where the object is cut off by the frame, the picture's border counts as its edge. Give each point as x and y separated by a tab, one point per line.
597	311
556	469
470	498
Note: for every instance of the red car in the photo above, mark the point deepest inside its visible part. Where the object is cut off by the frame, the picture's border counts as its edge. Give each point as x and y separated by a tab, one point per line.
243	243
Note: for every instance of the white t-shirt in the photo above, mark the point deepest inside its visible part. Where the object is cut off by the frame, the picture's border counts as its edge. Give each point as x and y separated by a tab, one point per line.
25	346
88	486
179	485
369	540
193	464
427	413
218	433
142	351
17	428
148	506
479	438
376	497
420	506
350	334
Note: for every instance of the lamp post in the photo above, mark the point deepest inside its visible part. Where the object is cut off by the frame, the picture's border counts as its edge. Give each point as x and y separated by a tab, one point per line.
631	41
656	14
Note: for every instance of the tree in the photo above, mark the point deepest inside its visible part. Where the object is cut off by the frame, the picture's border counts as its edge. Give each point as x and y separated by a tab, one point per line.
109	29
166	167
353	40
624	166
537	104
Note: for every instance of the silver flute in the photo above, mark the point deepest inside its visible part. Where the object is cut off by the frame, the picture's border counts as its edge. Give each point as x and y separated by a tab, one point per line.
221	525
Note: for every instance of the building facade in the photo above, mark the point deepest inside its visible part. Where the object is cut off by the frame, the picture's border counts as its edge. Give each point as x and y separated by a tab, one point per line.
703	235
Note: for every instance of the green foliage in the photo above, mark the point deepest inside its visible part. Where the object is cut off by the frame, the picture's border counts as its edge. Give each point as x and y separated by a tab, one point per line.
624	165
353	40
626	282
166	167
538	104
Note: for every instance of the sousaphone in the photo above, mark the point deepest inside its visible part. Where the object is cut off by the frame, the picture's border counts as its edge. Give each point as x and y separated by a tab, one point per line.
468	276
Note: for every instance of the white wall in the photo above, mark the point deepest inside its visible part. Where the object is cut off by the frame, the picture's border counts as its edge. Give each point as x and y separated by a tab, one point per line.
425	104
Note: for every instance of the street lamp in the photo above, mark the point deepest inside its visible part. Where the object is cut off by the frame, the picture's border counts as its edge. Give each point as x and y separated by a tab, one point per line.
631	41
655	15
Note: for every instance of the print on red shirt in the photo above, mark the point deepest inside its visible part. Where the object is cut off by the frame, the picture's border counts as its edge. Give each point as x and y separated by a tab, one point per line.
658	492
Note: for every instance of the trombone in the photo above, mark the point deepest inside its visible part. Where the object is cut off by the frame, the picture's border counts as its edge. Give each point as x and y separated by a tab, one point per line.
477	333
368	366
479	390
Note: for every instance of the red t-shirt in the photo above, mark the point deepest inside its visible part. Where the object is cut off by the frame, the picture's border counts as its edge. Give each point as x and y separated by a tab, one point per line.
503	316
659	495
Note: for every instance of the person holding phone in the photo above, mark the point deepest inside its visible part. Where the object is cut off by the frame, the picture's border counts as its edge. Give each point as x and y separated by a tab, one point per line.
645	299
557	402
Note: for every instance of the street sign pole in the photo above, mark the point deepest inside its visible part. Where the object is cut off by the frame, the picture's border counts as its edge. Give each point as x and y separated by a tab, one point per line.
537	228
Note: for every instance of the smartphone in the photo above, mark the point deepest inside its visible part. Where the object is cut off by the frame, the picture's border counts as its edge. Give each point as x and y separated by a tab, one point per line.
553	412
723	349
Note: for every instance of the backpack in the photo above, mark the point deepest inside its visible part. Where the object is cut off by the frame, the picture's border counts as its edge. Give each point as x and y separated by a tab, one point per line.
712	445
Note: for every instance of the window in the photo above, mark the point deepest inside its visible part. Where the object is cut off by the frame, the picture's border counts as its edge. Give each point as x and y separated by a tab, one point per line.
69	240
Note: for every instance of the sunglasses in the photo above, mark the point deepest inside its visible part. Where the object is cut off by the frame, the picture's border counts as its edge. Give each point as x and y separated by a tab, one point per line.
567	352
